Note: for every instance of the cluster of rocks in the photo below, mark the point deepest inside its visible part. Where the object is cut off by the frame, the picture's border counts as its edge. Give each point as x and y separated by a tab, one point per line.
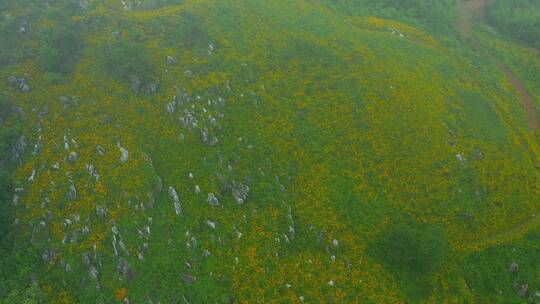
20	83
198	114
130	5
139	87
522	289
396	32
18	149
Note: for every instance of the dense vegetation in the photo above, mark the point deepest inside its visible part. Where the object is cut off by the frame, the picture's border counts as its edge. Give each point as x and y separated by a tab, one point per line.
15	286
346	151
433	15
519	19
60	44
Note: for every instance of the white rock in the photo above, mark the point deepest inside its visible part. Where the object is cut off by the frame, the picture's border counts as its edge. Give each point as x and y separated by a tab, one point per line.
124	153
176	200
212	200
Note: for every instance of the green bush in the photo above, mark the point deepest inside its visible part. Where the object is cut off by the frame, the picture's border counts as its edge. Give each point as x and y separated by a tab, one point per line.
519	19
125	59
413	250
433	15
31	295
60	46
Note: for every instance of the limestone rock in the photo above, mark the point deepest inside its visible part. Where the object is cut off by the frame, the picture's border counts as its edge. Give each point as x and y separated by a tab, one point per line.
171	60
176	200
124	153
212	200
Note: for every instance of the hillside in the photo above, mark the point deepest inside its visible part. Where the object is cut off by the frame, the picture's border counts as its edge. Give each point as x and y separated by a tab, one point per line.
258	152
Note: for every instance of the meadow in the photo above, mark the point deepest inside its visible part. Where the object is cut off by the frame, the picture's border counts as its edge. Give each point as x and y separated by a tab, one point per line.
264	152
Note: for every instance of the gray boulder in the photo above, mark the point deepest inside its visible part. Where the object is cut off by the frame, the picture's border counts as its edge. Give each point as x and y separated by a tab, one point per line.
212	200
124	153
72	194
171	60
513	267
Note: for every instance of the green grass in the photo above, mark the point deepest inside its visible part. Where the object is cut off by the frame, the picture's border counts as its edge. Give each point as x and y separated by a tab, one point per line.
328	118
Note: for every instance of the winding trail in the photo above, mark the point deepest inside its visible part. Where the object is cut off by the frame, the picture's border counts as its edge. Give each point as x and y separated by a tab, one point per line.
470	9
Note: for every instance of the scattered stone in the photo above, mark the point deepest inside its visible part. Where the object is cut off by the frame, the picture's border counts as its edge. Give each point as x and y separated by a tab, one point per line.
522	290
479	154
72	157
171	60
92	171
151	88
100	150
240	193
19	83
123	268
37	148
212	200
188	279
72	194
396	32
211	224
12	80
171	107
83	4
460	157
159	184
32	176
124	153
135	82
513	267
102	211
65	266
197	189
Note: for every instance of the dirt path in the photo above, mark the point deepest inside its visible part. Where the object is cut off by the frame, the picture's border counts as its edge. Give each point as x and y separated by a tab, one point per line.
470	9
467	11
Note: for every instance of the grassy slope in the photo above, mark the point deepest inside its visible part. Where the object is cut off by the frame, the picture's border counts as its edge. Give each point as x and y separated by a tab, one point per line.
334	109
524	61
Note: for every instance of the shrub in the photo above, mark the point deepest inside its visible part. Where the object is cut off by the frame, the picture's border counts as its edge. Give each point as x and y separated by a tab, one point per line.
413	250
60	47
125	59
